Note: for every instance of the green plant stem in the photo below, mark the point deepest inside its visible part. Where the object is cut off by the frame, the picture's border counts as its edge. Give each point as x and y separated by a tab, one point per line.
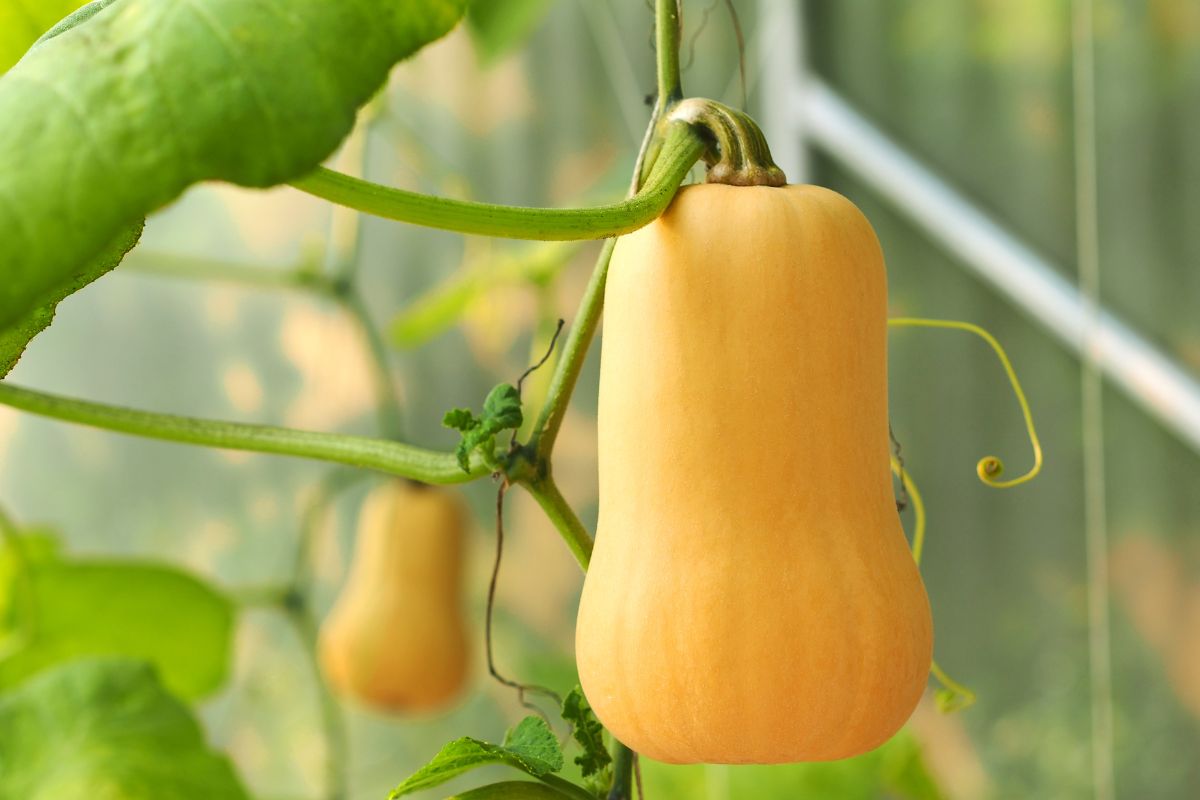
333	484
546	492
622	788
260	597
175	265
332	721
570	362
428	466
682	146
667	33
387	399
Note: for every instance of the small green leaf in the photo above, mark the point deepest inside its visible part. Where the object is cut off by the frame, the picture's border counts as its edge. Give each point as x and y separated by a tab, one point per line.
589	733
460	419
106	729
499	26
502	408
535	744
67	609
512	790
501	411
530	746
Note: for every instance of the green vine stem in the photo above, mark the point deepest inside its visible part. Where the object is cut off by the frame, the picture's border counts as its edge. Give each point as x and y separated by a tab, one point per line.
622	788
990	468
668	31
570	362
682	146
387	399
304	276
332	720
574	533
953	696
428	466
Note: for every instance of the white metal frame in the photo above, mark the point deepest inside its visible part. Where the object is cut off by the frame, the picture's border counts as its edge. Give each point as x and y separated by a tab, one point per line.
813	115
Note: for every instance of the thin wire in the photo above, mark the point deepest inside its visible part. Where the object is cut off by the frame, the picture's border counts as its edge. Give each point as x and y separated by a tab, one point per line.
1087	243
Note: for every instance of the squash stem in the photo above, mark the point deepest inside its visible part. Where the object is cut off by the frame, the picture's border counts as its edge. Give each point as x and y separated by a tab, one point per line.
545	491
682	146
622	788
668	24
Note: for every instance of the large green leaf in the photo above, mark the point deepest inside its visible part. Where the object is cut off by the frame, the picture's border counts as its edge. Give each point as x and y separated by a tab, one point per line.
59	610
23	21
106	729
114	118
14	338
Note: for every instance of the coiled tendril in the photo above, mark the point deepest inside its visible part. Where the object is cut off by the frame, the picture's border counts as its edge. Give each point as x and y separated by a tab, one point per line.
990	468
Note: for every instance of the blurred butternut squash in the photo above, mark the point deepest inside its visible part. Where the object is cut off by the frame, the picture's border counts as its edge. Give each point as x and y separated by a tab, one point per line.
751	598
395	638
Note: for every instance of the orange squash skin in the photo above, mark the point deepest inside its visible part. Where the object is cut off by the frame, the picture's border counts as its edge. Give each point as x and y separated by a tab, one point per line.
395	638
751	597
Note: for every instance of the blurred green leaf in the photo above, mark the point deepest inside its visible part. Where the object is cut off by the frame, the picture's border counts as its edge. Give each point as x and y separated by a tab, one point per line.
15	338
106	729
441	307
37	546
529	746
512	790
499	26
903	770
23	21
67	609
256	94
896	770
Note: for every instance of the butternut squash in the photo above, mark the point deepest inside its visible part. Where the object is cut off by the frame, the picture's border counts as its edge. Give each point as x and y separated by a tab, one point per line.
395	638
751	597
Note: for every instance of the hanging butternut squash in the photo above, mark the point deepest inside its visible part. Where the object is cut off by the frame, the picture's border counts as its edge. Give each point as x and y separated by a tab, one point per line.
395	638
751	597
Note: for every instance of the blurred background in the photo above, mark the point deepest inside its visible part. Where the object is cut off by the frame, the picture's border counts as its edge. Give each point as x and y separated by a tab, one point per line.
546	107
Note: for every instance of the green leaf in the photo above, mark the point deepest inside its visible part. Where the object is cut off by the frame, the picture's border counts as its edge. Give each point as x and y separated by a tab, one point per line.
23	21
106	729
589	733
532	741
499	26
14	339
444	304
147	611
113	119
501	411
512	790
530	746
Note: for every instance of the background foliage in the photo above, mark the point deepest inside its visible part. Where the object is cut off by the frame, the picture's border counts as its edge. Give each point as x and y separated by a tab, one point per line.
979	90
